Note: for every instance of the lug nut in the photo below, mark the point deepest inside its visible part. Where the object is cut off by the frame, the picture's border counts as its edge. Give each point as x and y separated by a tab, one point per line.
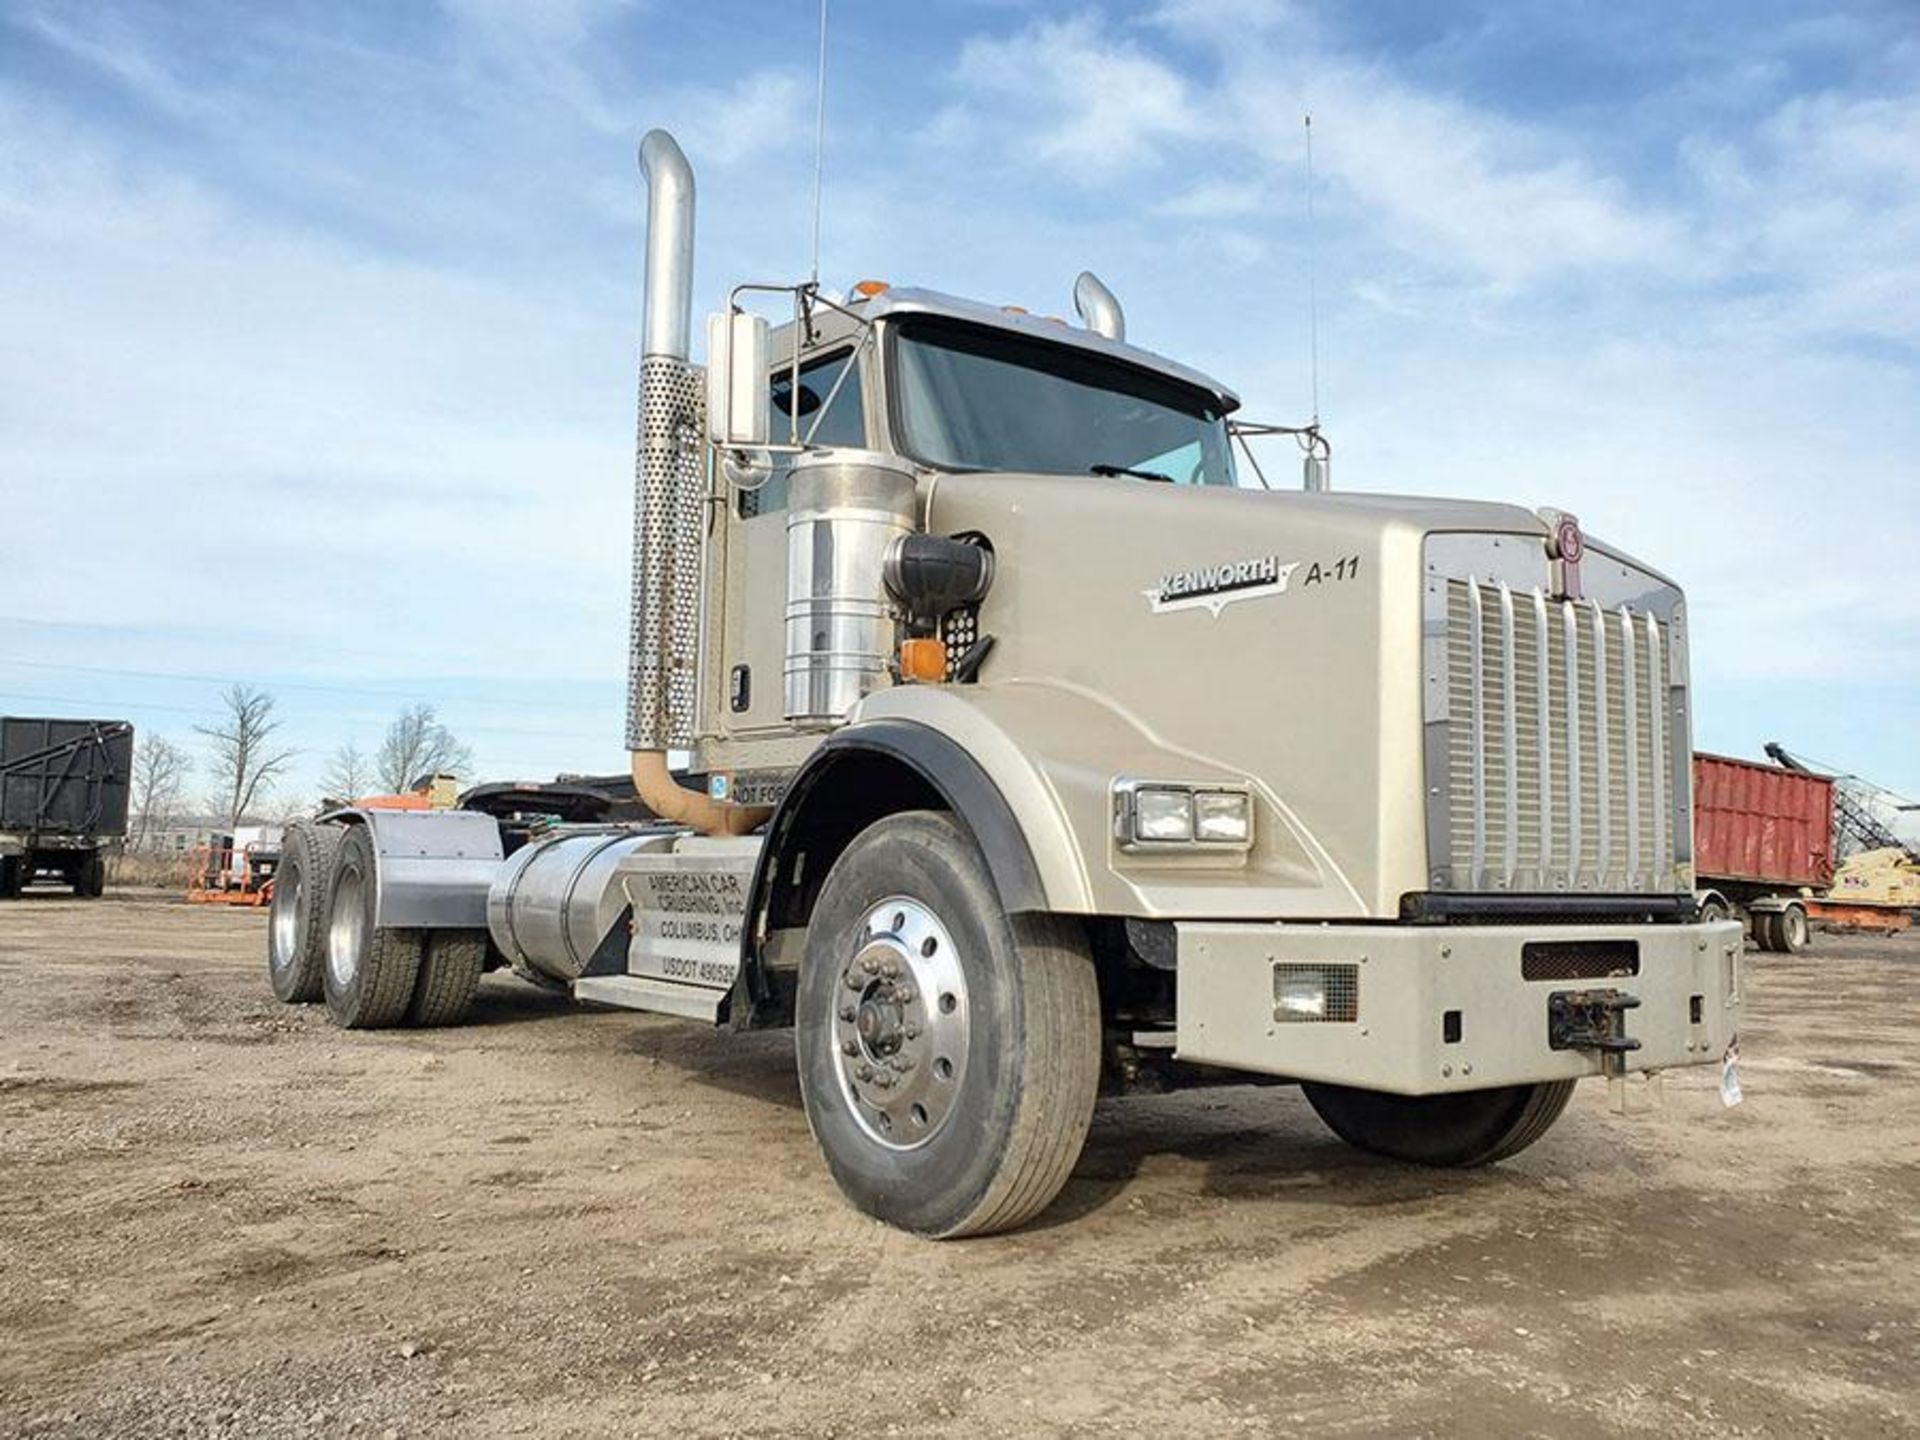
849	1047
863	1072
883	1081
913	1032
904	994
849	1014
903	1063
854	982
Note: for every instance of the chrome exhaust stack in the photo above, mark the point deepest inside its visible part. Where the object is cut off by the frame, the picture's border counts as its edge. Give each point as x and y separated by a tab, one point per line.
1098	307
669	496
663	653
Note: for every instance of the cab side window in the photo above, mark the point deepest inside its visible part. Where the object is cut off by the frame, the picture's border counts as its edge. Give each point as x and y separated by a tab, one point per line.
841	423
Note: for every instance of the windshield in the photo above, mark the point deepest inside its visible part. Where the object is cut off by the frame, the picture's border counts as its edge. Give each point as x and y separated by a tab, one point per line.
973	398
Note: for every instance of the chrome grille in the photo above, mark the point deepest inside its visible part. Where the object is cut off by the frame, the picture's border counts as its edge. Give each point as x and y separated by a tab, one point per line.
1559	725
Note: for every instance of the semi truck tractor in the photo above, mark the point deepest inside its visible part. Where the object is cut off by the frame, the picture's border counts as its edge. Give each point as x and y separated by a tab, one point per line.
1031	750
65	785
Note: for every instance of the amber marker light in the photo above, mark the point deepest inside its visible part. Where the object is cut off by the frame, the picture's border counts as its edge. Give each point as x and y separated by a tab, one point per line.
923	660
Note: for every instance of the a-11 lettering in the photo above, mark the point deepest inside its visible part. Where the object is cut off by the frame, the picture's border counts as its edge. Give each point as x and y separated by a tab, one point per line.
1345	568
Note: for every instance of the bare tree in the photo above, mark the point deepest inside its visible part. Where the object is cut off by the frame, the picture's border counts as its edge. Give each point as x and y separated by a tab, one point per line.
417	744
349	776
159	770
245	759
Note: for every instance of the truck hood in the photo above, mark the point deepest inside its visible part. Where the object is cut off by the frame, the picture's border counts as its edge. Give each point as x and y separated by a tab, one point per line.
1269	635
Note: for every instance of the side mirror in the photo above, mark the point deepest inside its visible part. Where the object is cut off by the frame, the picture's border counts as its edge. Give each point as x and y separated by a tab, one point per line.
737	400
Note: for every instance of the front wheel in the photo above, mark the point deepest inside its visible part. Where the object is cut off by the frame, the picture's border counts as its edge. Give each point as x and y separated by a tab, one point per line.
1472	1127
949	1054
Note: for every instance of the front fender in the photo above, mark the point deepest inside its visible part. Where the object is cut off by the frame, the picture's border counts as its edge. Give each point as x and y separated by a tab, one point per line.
1053	751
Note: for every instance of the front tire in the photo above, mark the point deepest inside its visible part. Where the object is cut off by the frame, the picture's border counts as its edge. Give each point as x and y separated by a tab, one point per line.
949	1054
1470	1127
297	919
12	876
369	975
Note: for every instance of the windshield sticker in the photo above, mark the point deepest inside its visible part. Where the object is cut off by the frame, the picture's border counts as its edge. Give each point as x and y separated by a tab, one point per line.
1214	587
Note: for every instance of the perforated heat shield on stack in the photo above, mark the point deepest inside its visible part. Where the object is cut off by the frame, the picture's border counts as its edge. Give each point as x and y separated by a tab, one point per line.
669	487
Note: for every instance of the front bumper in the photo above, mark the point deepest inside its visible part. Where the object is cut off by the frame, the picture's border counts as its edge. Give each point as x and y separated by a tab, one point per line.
1421	1010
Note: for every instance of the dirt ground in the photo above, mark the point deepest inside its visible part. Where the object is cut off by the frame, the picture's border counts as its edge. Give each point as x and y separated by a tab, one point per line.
219	1216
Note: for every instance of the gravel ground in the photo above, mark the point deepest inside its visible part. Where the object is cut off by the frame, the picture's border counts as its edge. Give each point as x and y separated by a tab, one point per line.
219	1216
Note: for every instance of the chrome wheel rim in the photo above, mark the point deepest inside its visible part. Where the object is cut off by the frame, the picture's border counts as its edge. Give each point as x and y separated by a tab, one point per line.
346	929
285	919
1796	926
900	1024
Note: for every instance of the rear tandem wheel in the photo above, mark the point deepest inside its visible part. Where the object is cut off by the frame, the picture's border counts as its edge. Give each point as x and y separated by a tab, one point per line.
369	973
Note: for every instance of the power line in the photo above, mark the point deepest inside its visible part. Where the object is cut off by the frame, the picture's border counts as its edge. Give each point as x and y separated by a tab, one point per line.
214	712
313	685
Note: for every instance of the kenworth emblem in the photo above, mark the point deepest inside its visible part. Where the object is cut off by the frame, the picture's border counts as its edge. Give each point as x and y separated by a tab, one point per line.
1214	587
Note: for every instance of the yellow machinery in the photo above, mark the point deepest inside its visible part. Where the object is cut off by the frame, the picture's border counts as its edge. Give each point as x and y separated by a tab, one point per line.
1874	890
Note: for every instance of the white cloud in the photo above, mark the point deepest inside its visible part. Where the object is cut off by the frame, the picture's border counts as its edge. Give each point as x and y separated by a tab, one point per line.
763	113
1501	201
1455	185
99	38
1069	96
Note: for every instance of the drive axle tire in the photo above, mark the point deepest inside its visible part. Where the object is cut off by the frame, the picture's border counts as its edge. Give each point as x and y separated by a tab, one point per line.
297	920
90	876
369	972
450	969
1471	1127
949	1054
1766	931
1792	930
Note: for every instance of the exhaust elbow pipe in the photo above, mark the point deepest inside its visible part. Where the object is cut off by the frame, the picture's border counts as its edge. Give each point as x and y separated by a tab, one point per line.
669	496
667	303
1099	307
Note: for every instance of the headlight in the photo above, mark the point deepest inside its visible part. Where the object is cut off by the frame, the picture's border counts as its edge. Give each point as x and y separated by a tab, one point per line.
1163	816
1300	993
1157	815
1223	815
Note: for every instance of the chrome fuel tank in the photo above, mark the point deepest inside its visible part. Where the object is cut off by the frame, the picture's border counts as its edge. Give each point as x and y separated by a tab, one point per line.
554	899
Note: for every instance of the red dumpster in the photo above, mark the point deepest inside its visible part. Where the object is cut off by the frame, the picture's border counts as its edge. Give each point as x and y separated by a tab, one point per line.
1760	825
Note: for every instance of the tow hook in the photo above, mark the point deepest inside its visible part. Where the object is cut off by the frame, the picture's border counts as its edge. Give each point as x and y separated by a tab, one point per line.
1592	1020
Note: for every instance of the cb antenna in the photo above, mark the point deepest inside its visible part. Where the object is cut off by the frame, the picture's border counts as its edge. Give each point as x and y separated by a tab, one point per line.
1313	282
819	139
1317	464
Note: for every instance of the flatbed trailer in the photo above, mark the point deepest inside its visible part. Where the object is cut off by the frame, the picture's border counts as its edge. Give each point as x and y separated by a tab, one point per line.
65	786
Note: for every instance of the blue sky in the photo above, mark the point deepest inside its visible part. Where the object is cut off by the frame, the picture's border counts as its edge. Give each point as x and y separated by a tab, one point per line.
305	309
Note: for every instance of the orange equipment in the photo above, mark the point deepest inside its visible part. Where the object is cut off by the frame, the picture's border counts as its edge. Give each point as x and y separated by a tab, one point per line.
226	873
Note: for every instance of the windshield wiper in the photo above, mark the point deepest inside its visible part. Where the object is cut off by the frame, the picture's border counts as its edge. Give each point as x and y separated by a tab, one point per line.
1111	470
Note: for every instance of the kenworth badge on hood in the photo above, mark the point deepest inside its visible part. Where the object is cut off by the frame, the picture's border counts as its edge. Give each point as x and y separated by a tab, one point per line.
1214	587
